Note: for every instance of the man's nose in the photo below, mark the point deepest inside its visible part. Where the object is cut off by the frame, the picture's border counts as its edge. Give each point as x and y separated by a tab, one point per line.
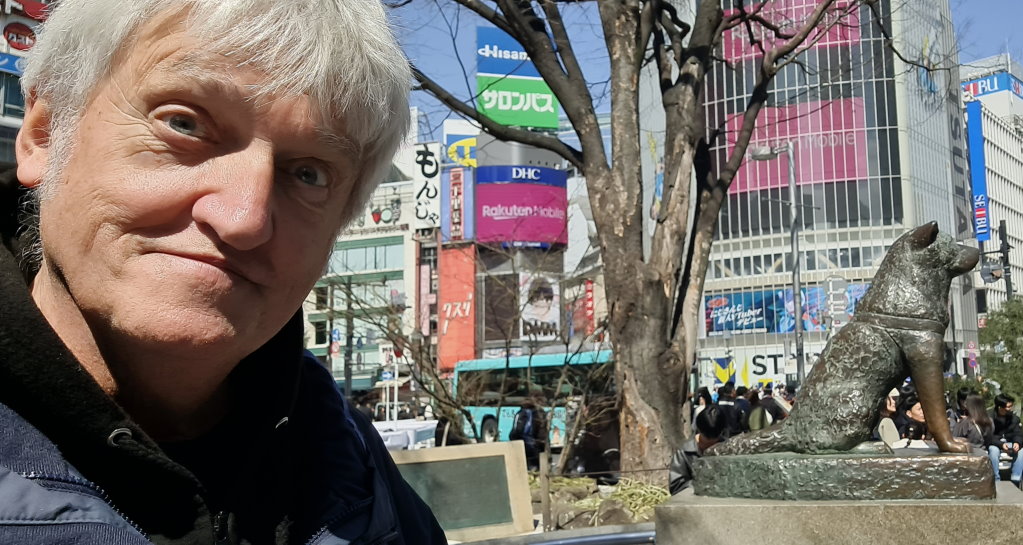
238	197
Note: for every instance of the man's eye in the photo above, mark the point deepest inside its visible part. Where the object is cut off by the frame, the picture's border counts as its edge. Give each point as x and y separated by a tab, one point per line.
183	124
311	175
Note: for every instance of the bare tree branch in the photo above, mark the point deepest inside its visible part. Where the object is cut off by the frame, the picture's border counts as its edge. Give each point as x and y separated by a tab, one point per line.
488	13
889	41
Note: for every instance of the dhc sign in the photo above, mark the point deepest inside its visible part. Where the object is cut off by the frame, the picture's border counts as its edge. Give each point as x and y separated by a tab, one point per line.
521	174
525	173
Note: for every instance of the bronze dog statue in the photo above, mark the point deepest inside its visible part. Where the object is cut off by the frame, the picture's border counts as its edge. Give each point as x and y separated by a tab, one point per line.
897	331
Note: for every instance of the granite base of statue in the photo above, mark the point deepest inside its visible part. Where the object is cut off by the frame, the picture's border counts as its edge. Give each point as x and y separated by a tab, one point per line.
816	477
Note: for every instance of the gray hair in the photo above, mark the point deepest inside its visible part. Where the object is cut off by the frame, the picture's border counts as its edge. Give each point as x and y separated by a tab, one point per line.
341	53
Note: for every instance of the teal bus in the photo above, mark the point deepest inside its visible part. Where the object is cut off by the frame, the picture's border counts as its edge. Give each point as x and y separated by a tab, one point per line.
559	382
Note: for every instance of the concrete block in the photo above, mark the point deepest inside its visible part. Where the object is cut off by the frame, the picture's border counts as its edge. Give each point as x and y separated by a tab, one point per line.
688	519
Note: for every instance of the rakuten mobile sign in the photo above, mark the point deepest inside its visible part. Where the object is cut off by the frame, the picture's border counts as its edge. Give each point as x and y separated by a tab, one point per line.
501	212
521	213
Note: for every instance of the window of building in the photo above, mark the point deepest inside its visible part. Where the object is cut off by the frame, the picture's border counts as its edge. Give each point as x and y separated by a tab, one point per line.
368	258
14	102
320	332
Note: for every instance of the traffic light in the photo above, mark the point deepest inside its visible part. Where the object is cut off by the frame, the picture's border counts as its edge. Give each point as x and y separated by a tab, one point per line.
1004	248
991	271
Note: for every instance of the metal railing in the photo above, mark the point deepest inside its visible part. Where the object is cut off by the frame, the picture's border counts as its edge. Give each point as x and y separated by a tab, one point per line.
632	534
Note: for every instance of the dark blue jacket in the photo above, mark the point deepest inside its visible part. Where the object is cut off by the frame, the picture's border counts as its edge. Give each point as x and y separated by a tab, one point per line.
290	464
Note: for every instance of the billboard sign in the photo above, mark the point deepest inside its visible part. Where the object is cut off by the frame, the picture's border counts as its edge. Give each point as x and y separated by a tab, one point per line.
978	170
19	36
460	142
426	185
521	204
995	83
511	91
750	366
456	310
541	307
12	64
830	144
840	27
499	54
771	311
517	101
31	8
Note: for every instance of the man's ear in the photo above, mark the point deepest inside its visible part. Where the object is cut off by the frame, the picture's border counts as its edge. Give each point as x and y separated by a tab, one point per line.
32	146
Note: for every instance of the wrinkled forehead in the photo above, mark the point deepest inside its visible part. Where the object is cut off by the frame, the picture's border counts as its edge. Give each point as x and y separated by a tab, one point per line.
166	53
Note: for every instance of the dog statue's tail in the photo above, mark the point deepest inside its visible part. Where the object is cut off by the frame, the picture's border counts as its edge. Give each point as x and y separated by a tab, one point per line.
772	439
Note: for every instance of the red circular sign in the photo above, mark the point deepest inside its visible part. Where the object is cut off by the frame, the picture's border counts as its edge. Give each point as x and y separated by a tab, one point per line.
20	36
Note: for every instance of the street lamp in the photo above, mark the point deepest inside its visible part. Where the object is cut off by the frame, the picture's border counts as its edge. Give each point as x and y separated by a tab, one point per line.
795	207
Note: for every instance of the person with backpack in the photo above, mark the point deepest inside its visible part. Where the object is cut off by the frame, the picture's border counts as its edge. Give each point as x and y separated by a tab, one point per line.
759	418
530	427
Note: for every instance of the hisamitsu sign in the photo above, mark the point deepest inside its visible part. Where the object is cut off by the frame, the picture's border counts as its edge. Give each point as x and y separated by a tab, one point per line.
498	54
510	90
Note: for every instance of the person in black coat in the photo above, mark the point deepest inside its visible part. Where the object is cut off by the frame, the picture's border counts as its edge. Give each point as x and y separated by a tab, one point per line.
771	405
730	410
710	429
188	167
1007	437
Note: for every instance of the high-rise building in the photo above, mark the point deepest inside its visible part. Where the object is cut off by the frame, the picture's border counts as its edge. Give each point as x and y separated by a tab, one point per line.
372	277
993	89
876	145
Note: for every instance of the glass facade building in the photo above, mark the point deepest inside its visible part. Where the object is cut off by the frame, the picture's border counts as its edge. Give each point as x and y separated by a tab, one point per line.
878	147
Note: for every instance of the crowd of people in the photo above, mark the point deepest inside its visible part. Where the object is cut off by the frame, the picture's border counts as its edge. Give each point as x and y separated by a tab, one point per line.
731	410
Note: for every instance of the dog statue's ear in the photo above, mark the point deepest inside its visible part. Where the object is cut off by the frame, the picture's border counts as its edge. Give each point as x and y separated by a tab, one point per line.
923	236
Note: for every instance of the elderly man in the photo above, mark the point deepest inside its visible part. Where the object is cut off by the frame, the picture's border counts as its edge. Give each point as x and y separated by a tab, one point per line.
187	166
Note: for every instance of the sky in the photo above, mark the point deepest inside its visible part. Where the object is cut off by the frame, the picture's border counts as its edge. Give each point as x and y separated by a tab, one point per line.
988	27
440	39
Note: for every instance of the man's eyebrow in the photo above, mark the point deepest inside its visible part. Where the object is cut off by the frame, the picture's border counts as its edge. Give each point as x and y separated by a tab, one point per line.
198	72
334	140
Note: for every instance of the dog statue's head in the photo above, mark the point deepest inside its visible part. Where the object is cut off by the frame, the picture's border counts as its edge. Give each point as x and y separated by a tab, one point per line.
914	278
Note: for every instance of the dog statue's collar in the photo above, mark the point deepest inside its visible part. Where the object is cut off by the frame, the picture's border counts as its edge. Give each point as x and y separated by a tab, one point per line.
898	322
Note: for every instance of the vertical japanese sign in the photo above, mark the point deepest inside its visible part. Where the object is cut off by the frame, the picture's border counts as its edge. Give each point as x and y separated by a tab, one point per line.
511	91
456	309
426	298
426	178
590	310
457	188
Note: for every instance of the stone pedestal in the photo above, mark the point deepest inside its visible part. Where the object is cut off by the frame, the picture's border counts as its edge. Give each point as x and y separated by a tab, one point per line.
700	520
908	474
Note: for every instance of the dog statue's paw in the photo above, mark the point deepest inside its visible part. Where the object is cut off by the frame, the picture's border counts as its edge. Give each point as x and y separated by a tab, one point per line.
957	445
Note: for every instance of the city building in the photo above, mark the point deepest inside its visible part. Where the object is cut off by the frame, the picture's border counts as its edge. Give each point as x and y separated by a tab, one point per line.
993	90
19	20
876	146
371	277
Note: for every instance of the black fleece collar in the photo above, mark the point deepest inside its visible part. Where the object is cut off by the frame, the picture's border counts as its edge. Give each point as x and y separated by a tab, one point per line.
42	381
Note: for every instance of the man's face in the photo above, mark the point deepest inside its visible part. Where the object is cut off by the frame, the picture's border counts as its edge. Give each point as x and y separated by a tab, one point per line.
1002	411
190	214
916	412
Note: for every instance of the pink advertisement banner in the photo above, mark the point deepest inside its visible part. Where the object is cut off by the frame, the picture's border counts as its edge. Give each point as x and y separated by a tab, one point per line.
521	213
838	28
830	144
